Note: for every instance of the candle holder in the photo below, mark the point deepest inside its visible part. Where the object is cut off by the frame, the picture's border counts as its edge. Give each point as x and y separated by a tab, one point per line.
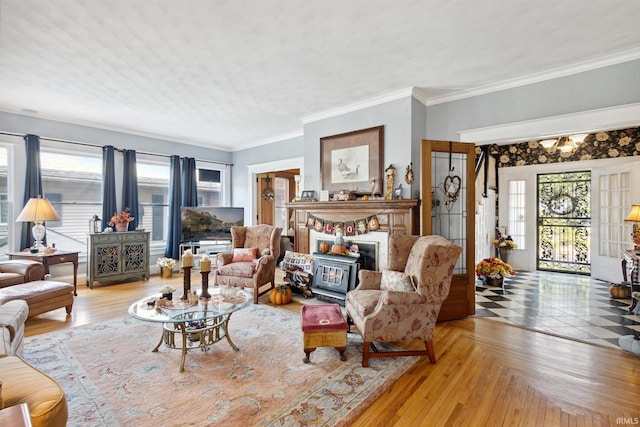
205	285
186	282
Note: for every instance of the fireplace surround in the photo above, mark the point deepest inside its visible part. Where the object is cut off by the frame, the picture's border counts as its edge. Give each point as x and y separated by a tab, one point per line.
394	216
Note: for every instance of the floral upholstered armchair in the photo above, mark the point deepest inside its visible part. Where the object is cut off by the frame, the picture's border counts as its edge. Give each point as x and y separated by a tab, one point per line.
252	264
402	303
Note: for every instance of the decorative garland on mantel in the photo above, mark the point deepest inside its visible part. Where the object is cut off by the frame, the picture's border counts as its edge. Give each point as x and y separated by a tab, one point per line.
348	228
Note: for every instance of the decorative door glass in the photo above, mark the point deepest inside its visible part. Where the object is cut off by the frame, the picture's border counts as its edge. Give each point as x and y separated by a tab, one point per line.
564	222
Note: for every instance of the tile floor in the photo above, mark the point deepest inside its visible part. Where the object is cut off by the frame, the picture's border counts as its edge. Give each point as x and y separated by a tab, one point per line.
572	306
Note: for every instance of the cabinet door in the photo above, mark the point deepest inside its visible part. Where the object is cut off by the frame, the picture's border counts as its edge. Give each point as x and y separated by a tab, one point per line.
106	259
134	257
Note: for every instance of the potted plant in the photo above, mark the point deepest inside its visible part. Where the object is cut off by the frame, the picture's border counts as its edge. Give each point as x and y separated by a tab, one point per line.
167	292
166	266
121	220
493	271
504	245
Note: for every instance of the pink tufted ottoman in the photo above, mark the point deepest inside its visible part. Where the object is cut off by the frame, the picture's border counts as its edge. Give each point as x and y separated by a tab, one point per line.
40	295
323	326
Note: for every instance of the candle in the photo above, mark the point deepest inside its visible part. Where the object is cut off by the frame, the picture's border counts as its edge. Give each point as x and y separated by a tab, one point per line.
205	264
187	258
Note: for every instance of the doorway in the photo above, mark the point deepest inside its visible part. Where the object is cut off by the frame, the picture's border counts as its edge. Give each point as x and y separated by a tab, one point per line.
274	190
564	222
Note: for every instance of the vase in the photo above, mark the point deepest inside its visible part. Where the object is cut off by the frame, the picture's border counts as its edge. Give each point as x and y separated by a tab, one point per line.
493	281
504	254
227	291
122	226
165	272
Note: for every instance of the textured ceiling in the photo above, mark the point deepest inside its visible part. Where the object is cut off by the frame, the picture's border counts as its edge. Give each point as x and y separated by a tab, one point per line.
232	74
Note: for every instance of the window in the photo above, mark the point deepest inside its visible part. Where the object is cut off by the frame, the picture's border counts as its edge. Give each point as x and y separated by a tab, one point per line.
516	226
73	182
615	199
4	201
153	196
209	185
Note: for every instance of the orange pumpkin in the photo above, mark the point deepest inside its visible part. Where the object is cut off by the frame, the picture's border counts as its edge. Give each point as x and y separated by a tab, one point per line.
280	295
338	249
324	247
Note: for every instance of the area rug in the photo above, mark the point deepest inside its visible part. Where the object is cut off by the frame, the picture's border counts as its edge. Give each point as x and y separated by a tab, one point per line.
111	377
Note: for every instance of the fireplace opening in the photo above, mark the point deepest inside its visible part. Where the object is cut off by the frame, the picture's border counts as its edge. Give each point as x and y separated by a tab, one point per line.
368	259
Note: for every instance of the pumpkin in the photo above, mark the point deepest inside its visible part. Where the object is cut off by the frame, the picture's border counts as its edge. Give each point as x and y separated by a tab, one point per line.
619	290
324	247
280	295
338	248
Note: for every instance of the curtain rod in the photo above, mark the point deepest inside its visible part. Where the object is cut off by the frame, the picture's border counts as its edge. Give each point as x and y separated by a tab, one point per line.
87	144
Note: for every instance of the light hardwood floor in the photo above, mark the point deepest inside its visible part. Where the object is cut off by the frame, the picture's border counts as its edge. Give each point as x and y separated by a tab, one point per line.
487	374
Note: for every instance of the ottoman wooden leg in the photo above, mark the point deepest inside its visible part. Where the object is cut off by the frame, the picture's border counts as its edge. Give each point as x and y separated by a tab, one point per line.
307	352
343	357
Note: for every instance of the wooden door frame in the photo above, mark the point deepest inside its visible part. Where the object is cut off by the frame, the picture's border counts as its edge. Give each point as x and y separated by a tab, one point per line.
461	301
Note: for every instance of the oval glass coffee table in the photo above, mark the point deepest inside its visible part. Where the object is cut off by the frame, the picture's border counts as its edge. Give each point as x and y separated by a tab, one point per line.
188	327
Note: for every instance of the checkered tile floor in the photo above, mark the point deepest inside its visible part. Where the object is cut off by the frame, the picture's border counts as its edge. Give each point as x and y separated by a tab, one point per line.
572	306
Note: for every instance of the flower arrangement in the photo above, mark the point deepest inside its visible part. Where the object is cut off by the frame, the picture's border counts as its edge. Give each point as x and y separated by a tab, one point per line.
636	235
494	268
166	263
121	218
166	289
504	242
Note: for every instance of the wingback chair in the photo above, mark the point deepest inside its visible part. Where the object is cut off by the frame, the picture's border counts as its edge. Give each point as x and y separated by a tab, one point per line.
402	303
252	264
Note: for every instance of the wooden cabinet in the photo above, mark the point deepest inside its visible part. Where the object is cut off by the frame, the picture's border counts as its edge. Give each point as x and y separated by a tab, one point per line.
117	256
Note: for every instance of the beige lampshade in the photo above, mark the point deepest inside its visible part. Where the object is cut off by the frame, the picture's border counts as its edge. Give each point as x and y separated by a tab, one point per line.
38	210
634	215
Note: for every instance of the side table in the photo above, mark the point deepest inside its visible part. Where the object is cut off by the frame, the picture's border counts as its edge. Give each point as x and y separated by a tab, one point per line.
58	257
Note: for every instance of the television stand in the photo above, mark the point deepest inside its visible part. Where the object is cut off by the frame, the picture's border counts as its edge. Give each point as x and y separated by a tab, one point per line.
205	247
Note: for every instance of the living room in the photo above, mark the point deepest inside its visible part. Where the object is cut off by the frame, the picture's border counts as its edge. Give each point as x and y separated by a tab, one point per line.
589	85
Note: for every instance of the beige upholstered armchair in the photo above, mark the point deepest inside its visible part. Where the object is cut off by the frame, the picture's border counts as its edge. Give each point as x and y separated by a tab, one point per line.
402	303
252	264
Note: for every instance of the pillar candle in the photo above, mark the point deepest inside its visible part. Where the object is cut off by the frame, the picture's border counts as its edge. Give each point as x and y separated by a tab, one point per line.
187	258
205	264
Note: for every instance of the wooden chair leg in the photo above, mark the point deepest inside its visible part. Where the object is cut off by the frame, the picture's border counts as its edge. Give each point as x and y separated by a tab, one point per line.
365	354
430	352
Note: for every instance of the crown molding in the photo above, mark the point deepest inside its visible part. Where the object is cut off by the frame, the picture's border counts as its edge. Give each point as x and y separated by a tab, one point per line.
102	126
617	58
278	138
609	118
371	102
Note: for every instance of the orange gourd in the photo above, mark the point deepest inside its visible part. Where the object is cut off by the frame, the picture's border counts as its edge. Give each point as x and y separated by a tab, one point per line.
324	247
280	295
338	249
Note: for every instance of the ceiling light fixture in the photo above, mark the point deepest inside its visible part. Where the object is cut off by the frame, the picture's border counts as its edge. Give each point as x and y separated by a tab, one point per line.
566	144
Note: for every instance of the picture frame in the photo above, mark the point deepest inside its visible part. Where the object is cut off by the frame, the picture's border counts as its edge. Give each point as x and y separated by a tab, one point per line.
349	161
307	196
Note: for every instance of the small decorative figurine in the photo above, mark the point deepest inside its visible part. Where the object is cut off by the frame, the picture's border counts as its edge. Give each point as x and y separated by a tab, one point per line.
390	173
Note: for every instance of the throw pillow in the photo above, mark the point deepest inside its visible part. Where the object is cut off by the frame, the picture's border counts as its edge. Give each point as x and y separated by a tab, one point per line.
396	281
244	254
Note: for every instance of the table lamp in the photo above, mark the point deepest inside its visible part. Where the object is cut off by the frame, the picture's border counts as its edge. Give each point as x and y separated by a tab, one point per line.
38	210
634	217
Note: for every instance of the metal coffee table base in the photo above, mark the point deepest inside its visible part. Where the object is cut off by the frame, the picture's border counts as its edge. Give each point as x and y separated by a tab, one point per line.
192	337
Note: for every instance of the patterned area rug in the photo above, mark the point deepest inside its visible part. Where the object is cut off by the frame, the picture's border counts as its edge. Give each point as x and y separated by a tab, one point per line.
111	377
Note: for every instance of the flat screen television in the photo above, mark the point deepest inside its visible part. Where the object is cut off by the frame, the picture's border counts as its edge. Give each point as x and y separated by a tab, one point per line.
203	223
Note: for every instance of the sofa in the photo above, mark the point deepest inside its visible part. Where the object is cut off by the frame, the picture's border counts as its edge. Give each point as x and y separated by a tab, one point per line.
21	382
17	271
13	315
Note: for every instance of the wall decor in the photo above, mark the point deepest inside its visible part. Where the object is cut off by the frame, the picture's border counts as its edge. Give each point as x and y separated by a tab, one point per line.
350	160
